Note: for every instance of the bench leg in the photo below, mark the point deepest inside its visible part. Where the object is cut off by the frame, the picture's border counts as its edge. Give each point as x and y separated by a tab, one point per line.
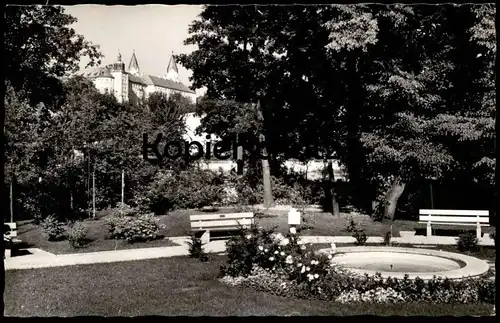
205	238
478	231
429	230
8	253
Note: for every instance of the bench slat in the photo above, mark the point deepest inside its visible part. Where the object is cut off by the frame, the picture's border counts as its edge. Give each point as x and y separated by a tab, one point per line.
223	228
454	212
221	223
458	224
469	219
208	217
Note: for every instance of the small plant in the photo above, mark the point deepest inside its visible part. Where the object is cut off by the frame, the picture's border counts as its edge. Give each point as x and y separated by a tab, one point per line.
360	237
77	235
196	249
143	228
52	228
387	238
467	241
352	225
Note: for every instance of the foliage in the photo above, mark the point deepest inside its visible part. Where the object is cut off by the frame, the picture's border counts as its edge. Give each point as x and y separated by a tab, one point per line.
52	228
360	237
184	190
338	285
387	238
352	225
283	255
143	228
196	249
40	48
467	241
77	235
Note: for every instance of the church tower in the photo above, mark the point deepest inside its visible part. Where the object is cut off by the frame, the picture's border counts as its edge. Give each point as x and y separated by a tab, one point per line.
120	85
133	66
172	71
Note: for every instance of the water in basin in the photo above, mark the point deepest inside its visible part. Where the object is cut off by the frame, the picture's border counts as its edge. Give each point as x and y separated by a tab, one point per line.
395	262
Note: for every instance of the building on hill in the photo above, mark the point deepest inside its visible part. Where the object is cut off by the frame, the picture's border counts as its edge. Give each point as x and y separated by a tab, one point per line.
130	85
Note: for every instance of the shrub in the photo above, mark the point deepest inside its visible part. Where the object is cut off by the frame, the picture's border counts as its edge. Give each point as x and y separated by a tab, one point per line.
77	235
143	228
184	190
242	250
196	249
284	254
52	228
467	241
125	210
340	286
360	237
352	225
387	238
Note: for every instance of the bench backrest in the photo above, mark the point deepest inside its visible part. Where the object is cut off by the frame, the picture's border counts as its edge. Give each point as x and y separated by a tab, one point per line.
12	229
221	221
454	216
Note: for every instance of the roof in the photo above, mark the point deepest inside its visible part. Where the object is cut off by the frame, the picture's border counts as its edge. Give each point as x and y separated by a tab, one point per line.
158	81
139	79
97	72
172	65
133	63
136	79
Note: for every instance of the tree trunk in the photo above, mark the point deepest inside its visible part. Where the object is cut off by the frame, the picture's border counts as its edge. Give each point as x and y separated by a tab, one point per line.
392	196
266	177
331	188
266	169
93	194
11	203
123	187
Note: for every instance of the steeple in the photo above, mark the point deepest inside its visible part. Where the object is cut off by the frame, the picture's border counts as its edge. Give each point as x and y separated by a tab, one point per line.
133	66
172	71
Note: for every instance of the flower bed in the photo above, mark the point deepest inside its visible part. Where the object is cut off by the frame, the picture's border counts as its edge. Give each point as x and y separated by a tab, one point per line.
282	265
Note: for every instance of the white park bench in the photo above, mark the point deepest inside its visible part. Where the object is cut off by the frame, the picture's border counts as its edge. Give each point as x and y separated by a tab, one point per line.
10	238
455	217
220	222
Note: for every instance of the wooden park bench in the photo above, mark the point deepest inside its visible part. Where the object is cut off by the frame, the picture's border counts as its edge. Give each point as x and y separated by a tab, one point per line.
10	238
220	222
455	217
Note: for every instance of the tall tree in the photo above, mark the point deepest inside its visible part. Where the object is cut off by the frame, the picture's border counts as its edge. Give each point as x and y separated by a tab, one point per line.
40	47
271	55
417	103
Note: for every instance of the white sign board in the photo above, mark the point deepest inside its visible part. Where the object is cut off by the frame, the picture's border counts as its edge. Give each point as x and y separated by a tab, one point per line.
293	217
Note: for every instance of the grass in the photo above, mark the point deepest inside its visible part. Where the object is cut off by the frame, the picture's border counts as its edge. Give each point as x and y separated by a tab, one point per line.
321	224
32	236
177	224
173	286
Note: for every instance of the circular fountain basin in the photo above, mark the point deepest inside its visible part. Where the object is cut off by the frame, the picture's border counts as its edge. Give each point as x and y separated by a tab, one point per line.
398	262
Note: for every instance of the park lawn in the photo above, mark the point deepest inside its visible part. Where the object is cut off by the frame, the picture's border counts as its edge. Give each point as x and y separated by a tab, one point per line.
177	224
173	286
32	237
315	224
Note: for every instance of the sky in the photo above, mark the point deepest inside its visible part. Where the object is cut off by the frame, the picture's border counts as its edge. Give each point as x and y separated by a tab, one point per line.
153	31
